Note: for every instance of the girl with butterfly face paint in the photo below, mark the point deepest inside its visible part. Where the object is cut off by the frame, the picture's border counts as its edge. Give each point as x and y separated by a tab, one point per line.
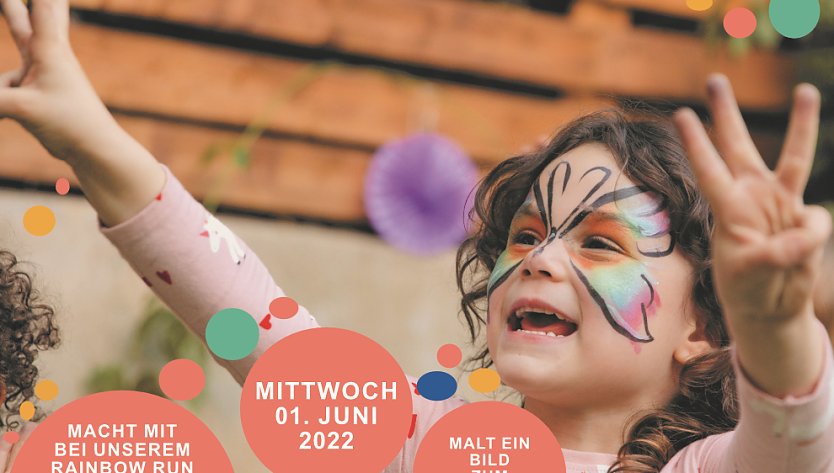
589	282
586	299
594	259
600	304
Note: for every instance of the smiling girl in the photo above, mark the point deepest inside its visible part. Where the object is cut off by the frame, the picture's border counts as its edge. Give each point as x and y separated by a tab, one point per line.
601	305
595	257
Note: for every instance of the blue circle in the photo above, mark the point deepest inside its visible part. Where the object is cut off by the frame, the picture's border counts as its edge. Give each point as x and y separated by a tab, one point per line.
437	386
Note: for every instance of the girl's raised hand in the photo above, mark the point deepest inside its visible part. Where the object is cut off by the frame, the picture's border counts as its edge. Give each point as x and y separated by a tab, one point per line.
767	245
49	94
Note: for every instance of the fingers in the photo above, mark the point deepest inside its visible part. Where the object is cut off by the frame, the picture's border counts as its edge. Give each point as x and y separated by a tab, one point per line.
11	78
10	95
12	102
733	139
793	247
50	19
17	17
712	173
800	145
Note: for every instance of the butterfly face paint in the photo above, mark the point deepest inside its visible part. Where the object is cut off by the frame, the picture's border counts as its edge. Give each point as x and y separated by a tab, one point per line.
509	260
611	237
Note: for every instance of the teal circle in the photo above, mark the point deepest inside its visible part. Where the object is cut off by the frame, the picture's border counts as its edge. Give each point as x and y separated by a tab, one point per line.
232	334
794	18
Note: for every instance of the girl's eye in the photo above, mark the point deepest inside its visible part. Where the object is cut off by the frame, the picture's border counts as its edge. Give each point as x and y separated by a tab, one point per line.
601	243
526	238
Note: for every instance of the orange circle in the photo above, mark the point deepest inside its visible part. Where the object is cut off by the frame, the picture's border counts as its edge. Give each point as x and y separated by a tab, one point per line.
460	441
121	416
62	186
27	410
39	220
11	437
740	22
355	416
484	380
449	355
283	308
699	5
182	380
46	390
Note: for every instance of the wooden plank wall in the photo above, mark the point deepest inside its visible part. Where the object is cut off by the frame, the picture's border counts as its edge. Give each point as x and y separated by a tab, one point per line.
187	74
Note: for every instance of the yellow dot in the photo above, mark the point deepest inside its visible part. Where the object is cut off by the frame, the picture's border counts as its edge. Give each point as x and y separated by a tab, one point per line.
27	410
39	220
699	5
46	390
484	380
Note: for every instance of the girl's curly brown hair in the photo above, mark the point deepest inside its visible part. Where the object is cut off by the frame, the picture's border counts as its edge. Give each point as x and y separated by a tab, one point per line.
27	326
650	153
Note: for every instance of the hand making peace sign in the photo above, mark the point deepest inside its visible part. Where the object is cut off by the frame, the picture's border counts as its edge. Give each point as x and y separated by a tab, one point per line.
767	245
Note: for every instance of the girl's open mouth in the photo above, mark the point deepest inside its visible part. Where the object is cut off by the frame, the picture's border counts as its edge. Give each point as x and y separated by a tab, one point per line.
535	322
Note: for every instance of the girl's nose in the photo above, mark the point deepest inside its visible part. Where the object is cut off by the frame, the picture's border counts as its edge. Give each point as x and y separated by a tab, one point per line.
550	260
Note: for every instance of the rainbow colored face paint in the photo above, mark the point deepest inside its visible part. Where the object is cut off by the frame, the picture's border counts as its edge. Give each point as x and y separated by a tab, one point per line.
607	235
512	256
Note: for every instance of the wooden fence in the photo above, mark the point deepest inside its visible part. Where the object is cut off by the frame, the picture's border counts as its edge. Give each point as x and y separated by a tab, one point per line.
184	75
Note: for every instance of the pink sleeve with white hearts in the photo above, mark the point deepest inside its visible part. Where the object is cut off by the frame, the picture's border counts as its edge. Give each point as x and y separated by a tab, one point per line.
198	267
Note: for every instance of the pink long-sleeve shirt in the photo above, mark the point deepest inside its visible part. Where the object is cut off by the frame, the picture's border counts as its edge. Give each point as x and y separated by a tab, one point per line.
198	266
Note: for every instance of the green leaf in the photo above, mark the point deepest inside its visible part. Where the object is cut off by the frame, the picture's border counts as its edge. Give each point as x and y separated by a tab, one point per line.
738	46
106	378
241	157
210	154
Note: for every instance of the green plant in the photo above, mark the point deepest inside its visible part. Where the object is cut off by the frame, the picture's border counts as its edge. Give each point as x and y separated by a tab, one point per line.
158	339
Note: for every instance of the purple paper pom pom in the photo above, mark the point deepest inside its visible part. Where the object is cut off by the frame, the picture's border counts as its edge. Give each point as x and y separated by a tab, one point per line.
417	193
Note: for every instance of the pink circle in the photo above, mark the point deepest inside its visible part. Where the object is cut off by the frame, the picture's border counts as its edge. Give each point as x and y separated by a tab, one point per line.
292	429
70	435
460	441
11	437
62	186
182	380
283	308
449	355
740	22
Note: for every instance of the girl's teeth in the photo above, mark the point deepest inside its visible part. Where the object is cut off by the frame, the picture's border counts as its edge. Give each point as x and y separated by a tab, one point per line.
549	334
521	313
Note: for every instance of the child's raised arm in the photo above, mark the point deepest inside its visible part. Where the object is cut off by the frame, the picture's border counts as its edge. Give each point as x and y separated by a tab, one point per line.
193	262
767	244
766	252
51	97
